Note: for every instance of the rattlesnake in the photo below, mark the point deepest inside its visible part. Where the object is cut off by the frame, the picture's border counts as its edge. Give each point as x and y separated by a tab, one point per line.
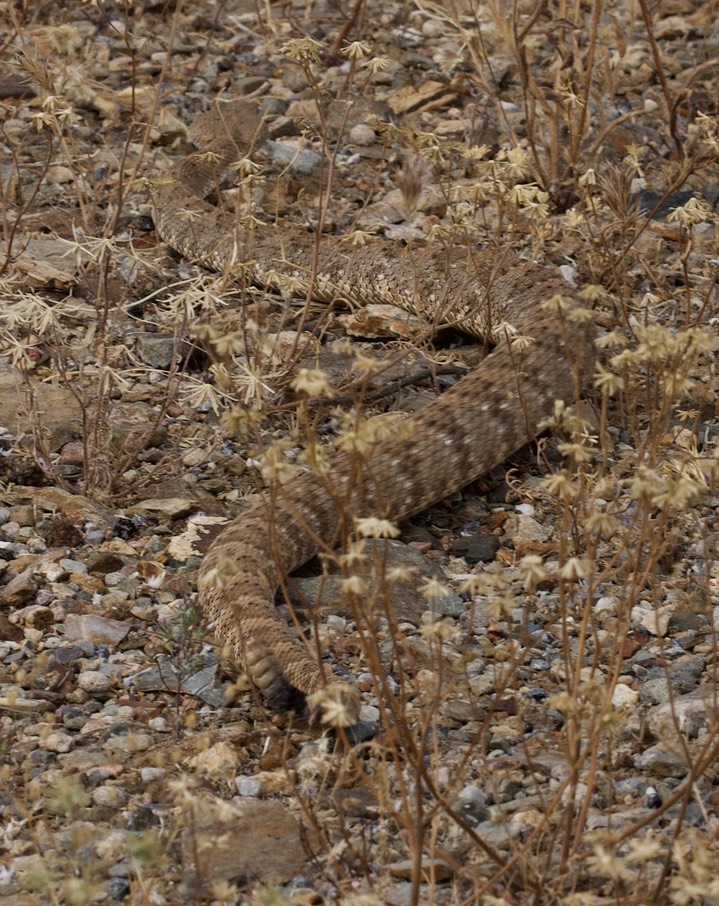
542	353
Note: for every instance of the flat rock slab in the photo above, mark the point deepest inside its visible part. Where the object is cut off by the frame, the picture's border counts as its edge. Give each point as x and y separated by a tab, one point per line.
73	507
409	570
57	409
98	630
261	843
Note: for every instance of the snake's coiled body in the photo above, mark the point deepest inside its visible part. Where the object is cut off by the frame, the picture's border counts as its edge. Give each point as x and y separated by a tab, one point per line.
474	426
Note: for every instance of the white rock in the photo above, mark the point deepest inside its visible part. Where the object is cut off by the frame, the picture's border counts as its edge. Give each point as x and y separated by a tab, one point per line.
109	795
362	135
653	620
93	681
606	604
57	742
159	725
525	528
624	696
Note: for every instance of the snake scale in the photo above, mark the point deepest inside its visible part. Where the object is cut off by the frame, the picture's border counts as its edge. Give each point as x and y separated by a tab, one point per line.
466	431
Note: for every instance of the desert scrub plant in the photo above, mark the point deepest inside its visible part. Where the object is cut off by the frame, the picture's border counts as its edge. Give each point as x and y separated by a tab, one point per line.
73	332
183	640
568	83
73	860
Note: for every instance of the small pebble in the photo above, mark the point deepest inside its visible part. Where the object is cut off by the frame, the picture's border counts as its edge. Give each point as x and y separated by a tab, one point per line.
362	135
93	681
113	796
248	786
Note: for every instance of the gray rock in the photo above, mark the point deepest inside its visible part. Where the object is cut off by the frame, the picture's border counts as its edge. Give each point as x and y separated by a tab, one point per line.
407	568
158	352
196	678
19	589
658	761
301	162
97	630
526	528
248	786
272	849
479	548
691	713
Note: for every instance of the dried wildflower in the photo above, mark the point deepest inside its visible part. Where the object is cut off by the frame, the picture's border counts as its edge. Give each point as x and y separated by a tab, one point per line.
643	849
240	419
677	494
223	892
399	574
574	569
433	589
570	99
580	315
532	570
354	554
276	469
562	486
358	238
602	524
530	199
313	382
437	233
573	219
246	168
632	159
482	584
336	706
229	344
559	303
522	343
412	177
694	211
354	585
624	360
54	111
189	214
592	292
376	64
475	152
202	396
253	382
588	178
614	338
607	381
579	452
517	163
438	631
372	527
302	50
357	50
209	157
503	330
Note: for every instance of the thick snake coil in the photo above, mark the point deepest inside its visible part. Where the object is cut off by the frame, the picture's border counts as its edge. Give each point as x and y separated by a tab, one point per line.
541	354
